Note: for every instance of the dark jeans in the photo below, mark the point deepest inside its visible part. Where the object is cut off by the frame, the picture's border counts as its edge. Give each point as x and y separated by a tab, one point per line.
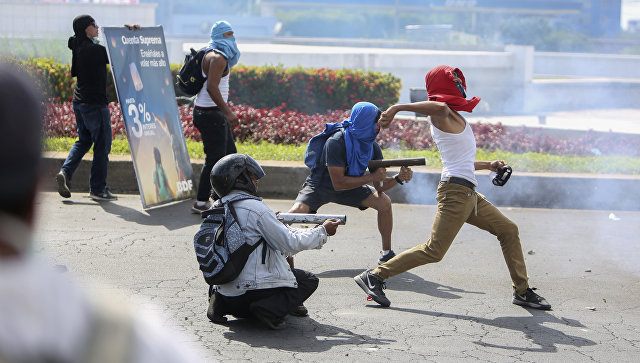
94	128
217	141
275	303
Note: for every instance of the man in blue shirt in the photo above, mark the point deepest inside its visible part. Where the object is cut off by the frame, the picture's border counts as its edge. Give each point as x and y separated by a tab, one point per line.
338	171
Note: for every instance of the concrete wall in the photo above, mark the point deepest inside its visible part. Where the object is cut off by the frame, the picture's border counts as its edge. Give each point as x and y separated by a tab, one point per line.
490	74
543	96
51	20
503	79
587	65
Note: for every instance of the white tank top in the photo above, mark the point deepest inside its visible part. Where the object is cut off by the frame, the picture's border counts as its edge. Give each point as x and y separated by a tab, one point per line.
203	99
458	152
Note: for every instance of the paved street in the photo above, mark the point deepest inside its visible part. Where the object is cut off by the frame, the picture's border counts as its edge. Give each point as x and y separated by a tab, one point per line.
585	263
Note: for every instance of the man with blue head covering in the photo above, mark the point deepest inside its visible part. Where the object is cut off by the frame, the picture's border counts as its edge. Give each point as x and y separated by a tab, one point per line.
338	160
212	116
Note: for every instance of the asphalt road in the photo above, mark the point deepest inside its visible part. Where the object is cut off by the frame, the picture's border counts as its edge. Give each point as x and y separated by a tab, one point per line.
585	263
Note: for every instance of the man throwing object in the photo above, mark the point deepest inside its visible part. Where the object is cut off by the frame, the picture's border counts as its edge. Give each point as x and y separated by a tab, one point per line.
458	202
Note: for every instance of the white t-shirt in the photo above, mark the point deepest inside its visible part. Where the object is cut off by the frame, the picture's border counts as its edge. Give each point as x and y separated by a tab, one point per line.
203	99
458	152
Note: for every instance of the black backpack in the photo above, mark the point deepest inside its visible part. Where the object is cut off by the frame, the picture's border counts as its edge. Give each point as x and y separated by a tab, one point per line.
190	78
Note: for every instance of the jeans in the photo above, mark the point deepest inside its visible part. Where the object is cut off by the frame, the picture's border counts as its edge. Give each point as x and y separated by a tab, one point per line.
456	206
275	303
217	141
94	128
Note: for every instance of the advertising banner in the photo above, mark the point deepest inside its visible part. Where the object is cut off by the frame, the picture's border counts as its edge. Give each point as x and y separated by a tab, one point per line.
144	85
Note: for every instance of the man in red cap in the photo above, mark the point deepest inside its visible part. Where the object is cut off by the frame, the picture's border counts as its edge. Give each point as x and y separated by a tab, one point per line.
458	202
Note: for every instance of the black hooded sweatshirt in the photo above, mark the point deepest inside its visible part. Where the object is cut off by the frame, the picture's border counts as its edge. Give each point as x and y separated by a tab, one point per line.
88	65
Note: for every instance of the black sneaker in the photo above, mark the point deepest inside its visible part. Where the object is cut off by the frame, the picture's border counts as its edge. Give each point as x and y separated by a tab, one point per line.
63	186
386	257
105	196
531	300
300	311
274	324
213	312
373	285
199	207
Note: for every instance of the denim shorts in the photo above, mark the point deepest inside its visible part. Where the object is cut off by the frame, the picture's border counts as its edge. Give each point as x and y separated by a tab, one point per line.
315	196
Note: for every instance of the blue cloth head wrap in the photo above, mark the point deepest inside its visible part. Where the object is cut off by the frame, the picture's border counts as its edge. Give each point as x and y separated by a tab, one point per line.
359	136
225	46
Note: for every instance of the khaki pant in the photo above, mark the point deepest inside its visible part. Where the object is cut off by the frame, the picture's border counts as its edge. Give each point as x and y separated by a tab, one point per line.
457	205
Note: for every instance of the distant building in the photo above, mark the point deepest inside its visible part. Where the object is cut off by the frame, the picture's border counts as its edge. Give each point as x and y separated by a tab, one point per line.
193	19
594	18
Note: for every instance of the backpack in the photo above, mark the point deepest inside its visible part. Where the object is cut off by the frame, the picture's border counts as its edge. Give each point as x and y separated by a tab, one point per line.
190	78
316	144
221	247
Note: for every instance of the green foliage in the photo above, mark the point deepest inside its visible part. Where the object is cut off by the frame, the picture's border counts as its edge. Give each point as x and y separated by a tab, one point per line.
363	23
537	31
54	78
311	90
635	50
119	145
526	162
25	48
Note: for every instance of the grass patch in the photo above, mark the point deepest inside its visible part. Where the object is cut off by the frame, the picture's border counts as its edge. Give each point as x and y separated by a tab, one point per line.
530	162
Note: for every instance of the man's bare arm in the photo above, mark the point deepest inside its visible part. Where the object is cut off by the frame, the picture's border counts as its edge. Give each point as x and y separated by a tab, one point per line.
344	182
489	165
216	64
430	108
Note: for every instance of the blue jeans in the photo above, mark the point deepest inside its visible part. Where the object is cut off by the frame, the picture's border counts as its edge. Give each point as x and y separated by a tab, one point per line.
94	128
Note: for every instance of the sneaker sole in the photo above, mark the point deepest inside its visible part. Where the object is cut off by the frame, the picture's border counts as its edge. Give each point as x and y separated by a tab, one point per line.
386	303
101	199
300	312
63	190
531	305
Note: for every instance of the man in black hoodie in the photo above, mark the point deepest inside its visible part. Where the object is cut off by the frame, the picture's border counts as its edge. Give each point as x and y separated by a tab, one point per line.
90	105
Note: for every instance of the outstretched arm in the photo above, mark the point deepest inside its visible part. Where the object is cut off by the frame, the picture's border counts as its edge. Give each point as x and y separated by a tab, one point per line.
341	181
436	110
489	165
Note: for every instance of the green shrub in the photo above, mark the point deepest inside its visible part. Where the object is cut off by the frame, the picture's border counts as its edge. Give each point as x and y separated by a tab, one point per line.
311	90
52	77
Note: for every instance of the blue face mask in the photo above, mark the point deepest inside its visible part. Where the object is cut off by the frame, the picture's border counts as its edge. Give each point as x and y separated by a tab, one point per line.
225	46
360	134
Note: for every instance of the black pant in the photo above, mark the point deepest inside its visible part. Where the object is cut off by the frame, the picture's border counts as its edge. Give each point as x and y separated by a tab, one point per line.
217	141
275	303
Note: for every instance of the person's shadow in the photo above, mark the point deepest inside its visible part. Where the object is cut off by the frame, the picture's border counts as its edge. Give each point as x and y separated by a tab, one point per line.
406	281
173	216
533	327
300	335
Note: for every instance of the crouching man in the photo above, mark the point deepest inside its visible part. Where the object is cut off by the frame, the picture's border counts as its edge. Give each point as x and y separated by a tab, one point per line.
266	288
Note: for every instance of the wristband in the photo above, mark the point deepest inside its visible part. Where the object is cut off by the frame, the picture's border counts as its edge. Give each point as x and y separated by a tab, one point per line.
397	178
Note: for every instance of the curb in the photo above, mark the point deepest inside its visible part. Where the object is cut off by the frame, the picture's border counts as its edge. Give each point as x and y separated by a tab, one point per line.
284	179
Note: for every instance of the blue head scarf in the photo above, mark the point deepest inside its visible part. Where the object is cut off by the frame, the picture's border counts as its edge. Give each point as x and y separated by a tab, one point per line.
359	136
225	46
